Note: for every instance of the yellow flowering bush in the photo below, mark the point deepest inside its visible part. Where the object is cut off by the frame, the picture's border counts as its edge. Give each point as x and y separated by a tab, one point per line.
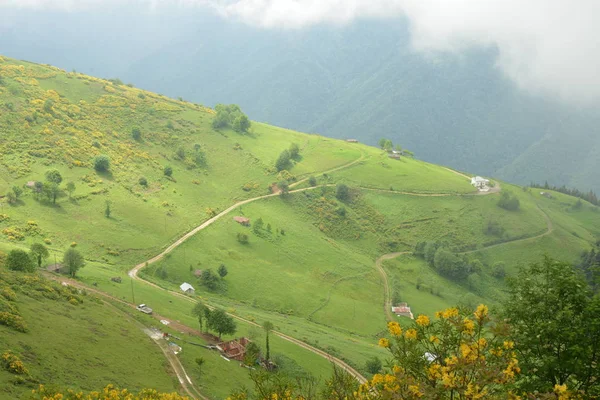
459	354
13	364
110	392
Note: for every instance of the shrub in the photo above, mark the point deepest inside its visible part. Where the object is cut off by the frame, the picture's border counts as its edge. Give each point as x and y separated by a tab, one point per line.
143	181
499	270
136	133
373	365
342	192
13	321
312	181
102	163
13	364
509	202
283	161
242	238
168	171
19	260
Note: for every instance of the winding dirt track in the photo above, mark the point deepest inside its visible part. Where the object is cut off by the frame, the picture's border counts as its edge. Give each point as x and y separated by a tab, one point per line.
387	300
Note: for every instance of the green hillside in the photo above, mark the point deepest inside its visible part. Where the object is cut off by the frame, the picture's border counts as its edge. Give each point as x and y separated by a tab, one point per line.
306	261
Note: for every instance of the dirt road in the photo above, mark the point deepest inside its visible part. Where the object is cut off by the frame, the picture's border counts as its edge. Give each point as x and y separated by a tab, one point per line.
387	300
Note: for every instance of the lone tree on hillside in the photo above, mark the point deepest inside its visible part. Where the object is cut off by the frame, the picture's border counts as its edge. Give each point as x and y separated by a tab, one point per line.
342	192
107	209
199	311
312	181
136	133
294	150
102	163
70	188
54	176
283	161
73	260
168	171
268	327
221	323
19	260
241	123
39	252
222	271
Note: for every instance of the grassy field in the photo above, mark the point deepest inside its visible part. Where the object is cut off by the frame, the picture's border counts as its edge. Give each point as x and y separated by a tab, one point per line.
84	346
310	267
57	120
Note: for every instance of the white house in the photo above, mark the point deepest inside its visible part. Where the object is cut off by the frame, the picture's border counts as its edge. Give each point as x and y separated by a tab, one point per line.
187	288
480	183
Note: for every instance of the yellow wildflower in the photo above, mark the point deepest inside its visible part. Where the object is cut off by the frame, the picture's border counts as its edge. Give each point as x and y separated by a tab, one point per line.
468	326
482	343
450	312
394	328
410	334
481	312
434	339
422	320
509	345
414	389
383	342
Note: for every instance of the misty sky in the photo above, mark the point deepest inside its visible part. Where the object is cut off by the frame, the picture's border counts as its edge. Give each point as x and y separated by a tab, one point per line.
548	47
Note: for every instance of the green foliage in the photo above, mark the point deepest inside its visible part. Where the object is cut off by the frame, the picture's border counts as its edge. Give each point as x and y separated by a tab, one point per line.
54	176
222	271
252	354
448	264
241	123
556	326
70	188
342	192
39	252
107	209
136	133
373	365
494	228
143	181
294	151
499	270
51	190
508	201
284	187
180	153
168	171
17	191
102	163
230	116
209	279
242	238
312	181
48	104
200	312
73	261
268	327
257	226
283	161
221	323
19	260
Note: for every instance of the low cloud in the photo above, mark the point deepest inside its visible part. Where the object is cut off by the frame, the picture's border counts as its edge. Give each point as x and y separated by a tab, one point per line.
549	47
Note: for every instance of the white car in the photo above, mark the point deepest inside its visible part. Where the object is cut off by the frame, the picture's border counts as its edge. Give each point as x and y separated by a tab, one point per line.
144	308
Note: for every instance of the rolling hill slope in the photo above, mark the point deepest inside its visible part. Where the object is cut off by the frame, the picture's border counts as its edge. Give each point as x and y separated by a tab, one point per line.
307	260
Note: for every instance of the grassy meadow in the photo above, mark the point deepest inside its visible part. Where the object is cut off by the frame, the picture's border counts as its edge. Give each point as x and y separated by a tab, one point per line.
309	267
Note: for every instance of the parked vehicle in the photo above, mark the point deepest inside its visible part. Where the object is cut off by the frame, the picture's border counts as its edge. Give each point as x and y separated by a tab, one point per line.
144	308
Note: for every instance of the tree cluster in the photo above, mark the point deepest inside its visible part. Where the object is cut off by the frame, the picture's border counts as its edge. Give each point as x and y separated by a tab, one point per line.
509	201
588	196
231	116
444	261
216	320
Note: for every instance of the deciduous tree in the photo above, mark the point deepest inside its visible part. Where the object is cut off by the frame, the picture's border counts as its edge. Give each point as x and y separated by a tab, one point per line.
73	261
